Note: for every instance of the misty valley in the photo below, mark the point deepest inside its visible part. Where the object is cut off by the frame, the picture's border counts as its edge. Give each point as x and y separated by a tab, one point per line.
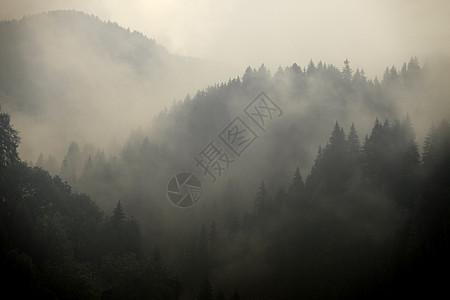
339	190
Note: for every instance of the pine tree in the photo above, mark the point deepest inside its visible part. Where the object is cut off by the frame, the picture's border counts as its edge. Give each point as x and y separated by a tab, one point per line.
297	180
354	159
436	158
347	71
68	172
404	72
391	159
118	216
393	73
74	157
279	74
386	76
40	161
52	165
430	143
297	185
319	157
353	141
311	70
363	76
414	67
315	174
261	200
87	170
337	139
357	76
296	69
9	141
249	75
263	73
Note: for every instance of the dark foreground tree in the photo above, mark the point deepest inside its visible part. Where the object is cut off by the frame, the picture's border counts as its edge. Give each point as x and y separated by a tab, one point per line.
9	141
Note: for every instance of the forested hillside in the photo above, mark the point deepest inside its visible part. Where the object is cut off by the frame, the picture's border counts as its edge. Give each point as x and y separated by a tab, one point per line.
368	219
96	77
340	189
58	244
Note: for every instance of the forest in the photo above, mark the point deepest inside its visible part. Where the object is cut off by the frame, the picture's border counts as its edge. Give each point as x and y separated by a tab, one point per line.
369	220
345	195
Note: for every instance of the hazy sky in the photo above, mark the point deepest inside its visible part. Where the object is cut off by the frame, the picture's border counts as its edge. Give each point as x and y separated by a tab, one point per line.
371	34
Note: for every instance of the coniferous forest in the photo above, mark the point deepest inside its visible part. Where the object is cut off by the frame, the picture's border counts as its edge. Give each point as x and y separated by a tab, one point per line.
345	195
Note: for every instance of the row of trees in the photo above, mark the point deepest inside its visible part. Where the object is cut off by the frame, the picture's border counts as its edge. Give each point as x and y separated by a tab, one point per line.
369	217
368	221
55	243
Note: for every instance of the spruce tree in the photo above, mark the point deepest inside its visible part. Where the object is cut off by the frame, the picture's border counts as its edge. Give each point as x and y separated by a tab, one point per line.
118	216
9	141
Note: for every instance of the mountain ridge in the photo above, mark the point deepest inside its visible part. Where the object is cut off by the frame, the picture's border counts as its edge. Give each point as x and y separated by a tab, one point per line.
67	65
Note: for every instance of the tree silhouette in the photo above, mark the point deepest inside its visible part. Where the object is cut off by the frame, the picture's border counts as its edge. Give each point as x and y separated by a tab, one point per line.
261	200
311	69
297	181
118	216
296	188
353	141
347	71
9	141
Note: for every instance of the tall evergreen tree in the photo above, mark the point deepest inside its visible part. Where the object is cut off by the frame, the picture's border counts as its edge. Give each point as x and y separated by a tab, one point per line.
347	71
261	201
353	141
354	157
118	216
297	181
337	139
429	145
9	141
40	161
311	69
436	158
297	184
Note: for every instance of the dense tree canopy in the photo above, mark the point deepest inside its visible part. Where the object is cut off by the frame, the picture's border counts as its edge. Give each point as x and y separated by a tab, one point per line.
370	220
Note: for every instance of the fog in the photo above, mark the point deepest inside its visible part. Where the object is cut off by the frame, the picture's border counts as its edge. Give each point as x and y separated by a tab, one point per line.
96	81
372	34
115	190
227	37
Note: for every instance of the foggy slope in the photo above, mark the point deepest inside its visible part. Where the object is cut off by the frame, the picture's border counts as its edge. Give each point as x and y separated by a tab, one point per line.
129	172
66	75
260	227
313	99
